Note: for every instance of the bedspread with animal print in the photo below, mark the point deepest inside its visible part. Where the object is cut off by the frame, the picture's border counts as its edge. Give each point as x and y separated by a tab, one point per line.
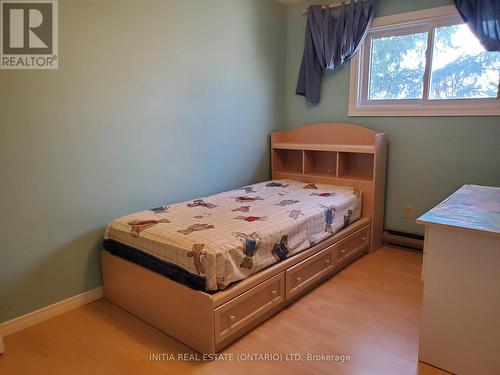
211	242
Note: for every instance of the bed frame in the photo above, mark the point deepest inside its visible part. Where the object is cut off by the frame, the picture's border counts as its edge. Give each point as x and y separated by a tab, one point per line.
338	154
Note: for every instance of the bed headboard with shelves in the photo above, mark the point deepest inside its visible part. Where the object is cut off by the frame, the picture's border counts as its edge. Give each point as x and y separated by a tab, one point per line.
337	154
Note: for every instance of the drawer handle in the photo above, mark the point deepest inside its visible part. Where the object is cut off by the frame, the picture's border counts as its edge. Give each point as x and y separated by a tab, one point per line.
299	279
343	251
327	261
232	317
363	238
274	292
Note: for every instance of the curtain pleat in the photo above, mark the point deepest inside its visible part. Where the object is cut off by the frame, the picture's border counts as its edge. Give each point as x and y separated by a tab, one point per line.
483	18
330	41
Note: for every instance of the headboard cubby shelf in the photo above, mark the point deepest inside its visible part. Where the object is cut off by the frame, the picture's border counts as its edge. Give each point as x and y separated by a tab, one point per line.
338	154
320	163
332	164
288	160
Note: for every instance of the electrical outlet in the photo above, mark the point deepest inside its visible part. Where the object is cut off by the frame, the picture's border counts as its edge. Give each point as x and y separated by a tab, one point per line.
408	211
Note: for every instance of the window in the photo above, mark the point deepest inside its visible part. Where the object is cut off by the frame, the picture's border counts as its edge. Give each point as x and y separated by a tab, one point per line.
424	63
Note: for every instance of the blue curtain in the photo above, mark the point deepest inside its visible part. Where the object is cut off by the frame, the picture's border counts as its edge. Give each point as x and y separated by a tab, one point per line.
330	41
483	18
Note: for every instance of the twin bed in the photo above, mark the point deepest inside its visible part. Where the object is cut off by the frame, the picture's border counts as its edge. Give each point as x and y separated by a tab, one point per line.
208	270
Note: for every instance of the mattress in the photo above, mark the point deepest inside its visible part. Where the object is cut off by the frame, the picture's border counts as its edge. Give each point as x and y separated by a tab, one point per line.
211	242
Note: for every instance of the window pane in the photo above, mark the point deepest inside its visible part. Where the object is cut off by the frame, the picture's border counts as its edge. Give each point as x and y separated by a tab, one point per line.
461	68
397	67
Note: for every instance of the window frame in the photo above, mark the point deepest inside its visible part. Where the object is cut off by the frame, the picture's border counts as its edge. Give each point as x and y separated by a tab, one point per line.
403	24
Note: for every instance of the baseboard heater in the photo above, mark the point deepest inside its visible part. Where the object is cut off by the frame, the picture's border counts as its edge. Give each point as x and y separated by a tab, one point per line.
412	241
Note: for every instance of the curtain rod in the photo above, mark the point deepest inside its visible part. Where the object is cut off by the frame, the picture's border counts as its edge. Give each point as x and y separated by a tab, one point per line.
335	5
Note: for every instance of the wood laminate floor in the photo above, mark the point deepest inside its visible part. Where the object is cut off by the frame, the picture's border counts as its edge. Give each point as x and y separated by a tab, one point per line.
369	311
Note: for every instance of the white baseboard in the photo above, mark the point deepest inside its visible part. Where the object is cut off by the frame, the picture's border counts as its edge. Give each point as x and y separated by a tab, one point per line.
28	320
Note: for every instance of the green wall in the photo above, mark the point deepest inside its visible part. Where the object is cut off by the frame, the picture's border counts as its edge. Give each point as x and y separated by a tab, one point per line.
154	102
429	157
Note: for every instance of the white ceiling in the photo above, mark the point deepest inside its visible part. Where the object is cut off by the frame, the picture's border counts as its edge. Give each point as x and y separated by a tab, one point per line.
288	2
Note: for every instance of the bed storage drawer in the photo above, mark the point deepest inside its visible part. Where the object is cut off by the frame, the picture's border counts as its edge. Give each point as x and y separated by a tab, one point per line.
307	272
236	314
352	244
